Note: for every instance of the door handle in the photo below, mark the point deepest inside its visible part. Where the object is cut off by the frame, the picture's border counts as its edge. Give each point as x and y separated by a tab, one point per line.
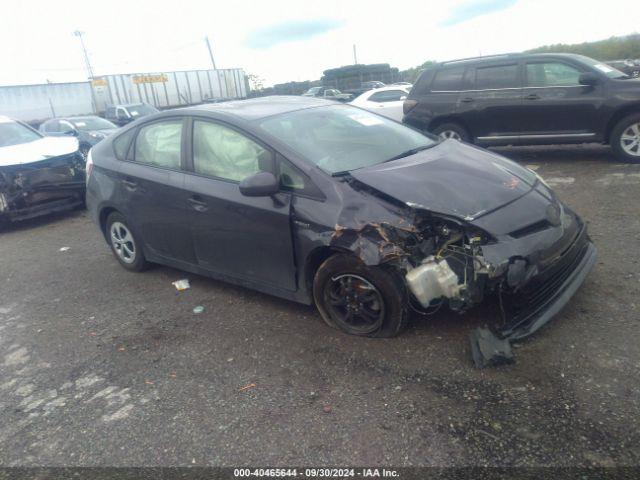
467	100
129	184
532	96
198	204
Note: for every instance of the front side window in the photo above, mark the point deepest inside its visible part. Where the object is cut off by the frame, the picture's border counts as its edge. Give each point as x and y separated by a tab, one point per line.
341	138
388	96
552	74
222	152
14	133
495	77
448	79
159	143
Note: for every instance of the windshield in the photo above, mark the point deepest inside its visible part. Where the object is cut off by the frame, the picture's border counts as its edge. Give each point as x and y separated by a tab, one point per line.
341	138
608	70
313	90
141	110
13	133
92	123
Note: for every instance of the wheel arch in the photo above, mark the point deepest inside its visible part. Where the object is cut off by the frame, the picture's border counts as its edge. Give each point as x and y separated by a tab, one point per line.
436	122
618	115
102	219
314	259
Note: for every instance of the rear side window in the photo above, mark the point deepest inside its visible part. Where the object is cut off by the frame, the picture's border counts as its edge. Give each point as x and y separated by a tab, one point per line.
158	144
499	76
448	79
121	144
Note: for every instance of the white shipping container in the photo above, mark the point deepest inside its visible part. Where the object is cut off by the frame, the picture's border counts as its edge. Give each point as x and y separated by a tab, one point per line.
36	103
169	89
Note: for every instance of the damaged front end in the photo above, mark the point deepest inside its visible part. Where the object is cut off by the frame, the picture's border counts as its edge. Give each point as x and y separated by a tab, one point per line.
54	184
531	272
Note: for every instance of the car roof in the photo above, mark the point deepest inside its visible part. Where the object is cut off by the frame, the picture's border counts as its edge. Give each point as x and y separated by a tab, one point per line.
506	56
4	119
258	108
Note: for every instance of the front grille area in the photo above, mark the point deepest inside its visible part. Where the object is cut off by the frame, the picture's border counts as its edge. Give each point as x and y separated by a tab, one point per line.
542	289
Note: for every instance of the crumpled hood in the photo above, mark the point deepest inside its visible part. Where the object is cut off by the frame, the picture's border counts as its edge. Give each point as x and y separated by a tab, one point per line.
37	150
451	178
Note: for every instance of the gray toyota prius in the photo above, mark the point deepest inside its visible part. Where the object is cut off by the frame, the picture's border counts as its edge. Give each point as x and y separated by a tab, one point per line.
324	203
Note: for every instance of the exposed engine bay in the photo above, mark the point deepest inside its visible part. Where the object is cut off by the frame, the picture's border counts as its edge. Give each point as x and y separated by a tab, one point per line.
458	263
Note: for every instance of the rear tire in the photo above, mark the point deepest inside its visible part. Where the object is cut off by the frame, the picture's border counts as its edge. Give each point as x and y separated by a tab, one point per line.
360	300
452	130
625	139
125	245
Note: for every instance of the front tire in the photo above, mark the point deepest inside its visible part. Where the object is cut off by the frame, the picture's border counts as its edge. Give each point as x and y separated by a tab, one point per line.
625	139
359	300
124	243
452	130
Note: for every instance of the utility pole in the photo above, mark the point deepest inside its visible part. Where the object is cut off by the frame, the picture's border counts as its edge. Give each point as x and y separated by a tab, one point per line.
355	56
213	62
79	34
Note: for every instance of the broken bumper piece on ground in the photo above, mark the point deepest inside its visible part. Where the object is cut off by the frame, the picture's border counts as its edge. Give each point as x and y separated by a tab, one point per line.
492	349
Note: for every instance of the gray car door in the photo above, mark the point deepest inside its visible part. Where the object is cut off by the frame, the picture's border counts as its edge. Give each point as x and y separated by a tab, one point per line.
247	238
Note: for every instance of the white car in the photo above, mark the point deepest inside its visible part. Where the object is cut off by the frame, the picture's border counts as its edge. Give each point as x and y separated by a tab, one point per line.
385	101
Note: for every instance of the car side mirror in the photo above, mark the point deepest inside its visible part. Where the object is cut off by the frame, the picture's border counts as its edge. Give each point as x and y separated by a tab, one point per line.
404	97
261	184
588	78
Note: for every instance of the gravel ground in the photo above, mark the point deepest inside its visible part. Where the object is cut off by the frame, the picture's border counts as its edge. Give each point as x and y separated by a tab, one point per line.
102	367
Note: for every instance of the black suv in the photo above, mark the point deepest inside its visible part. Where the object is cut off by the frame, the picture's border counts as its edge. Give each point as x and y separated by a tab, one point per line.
529	99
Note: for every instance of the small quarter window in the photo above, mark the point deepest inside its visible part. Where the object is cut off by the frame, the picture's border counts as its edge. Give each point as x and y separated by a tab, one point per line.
122	143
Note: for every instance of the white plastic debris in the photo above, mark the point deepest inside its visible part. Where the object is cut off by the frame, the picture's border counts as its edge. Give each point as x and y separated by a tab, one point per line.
64	249
181	284
199	309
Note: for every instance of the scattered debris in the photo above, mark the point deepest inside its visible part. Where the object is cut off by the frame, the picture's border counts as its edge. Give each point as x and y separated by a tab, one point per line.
198	310
182	284
148	382
488	350
122	349
173	375
64	249
327	409
247	387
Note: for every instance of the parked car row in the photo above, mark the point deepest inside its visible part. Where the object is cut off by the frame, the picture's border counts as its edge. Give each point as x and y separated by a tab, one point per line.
363	216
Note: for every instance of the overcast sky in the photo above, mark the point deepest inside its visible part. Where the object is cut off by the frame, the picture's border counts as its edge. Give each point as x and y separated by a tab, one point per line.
282	40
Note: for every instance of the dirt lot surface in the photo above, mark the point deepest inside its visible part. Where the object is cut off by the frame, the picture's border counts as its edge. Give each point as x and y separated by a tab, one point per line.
99	366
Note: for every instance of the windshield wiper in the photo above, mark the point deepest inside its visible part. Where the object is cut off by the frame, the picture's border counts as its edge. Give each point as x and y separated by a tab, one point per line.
410	152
